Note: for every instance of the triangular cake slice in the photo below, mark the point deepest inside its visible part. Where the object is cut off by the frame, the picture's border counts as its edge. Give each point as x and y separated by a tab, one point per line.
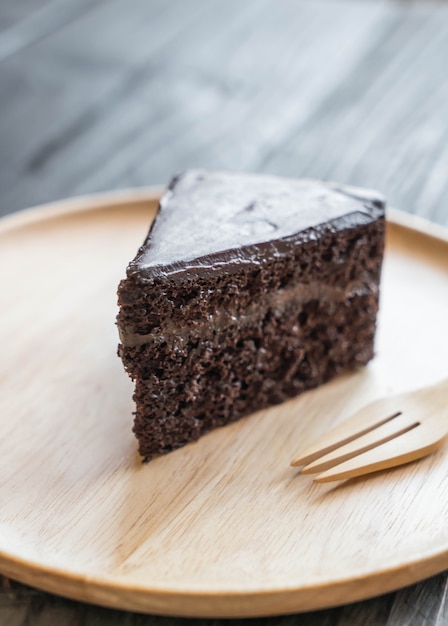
248	290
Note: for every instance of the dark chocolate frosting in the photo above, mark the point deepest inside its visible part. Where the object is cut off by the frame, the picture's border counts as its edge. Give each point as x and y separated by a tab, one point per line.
210	220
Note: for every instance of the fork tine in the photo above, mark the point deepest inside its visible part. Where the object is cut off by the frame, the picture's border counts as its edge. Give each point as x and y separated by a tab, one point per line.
361	422
412	445
388	430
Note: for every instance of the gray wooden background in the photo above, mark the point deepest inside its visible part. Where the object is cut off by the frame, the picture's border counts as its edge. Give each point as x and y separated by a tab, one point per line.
104	94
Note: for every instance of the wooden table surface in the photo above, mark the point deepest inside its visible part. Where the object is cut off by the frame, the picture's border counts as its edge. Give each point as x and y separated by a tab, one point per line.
106	94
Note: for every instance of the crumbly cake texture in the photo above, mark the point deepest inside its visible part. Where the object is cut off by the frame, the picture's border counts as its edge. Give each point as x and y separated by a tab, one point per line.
248	290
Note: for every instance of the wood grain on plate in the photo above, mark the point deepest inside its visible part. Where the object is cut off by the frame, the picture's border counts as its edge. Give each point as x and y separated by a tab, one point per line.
222	527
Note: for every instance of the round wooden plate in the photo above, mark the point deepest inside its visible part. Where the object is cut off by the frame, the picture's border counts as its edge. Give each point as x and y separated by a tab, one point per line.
222	527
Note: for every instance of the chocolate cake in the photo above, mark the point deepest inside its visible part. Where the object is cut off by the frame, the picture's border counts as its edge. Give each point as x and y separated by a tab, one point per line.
248	290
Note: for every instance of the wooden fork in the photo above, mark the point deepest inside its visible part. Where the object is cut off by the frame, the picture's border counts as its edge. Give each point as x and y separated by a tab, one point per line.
383	434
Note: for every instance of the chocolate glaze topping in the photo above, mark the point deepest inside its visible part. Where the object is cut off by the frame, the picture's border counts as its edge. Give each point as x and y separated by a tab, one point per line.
219	220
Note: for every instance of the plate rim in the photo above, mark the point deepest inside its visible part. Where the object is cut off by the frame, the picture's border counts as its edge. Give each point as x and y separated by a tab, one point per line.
104	200
101	590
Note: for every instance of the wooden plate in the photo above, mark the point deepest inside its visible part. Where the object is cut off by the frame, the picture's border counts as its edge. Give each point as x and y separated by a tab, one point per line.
223	527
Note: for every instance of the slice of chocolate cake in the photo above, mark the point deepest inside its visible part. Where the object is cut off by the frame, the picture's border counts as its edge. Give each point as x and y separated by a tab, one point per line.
247	291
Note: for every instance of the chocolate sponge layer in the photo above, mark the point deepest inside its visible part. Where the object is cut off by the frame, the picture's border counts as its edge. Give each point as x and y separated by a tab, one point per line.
209	345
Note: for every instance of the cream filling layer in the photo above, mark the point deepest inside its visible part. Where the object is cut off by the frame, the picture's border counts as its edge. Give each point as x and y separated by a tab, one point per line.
277	302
